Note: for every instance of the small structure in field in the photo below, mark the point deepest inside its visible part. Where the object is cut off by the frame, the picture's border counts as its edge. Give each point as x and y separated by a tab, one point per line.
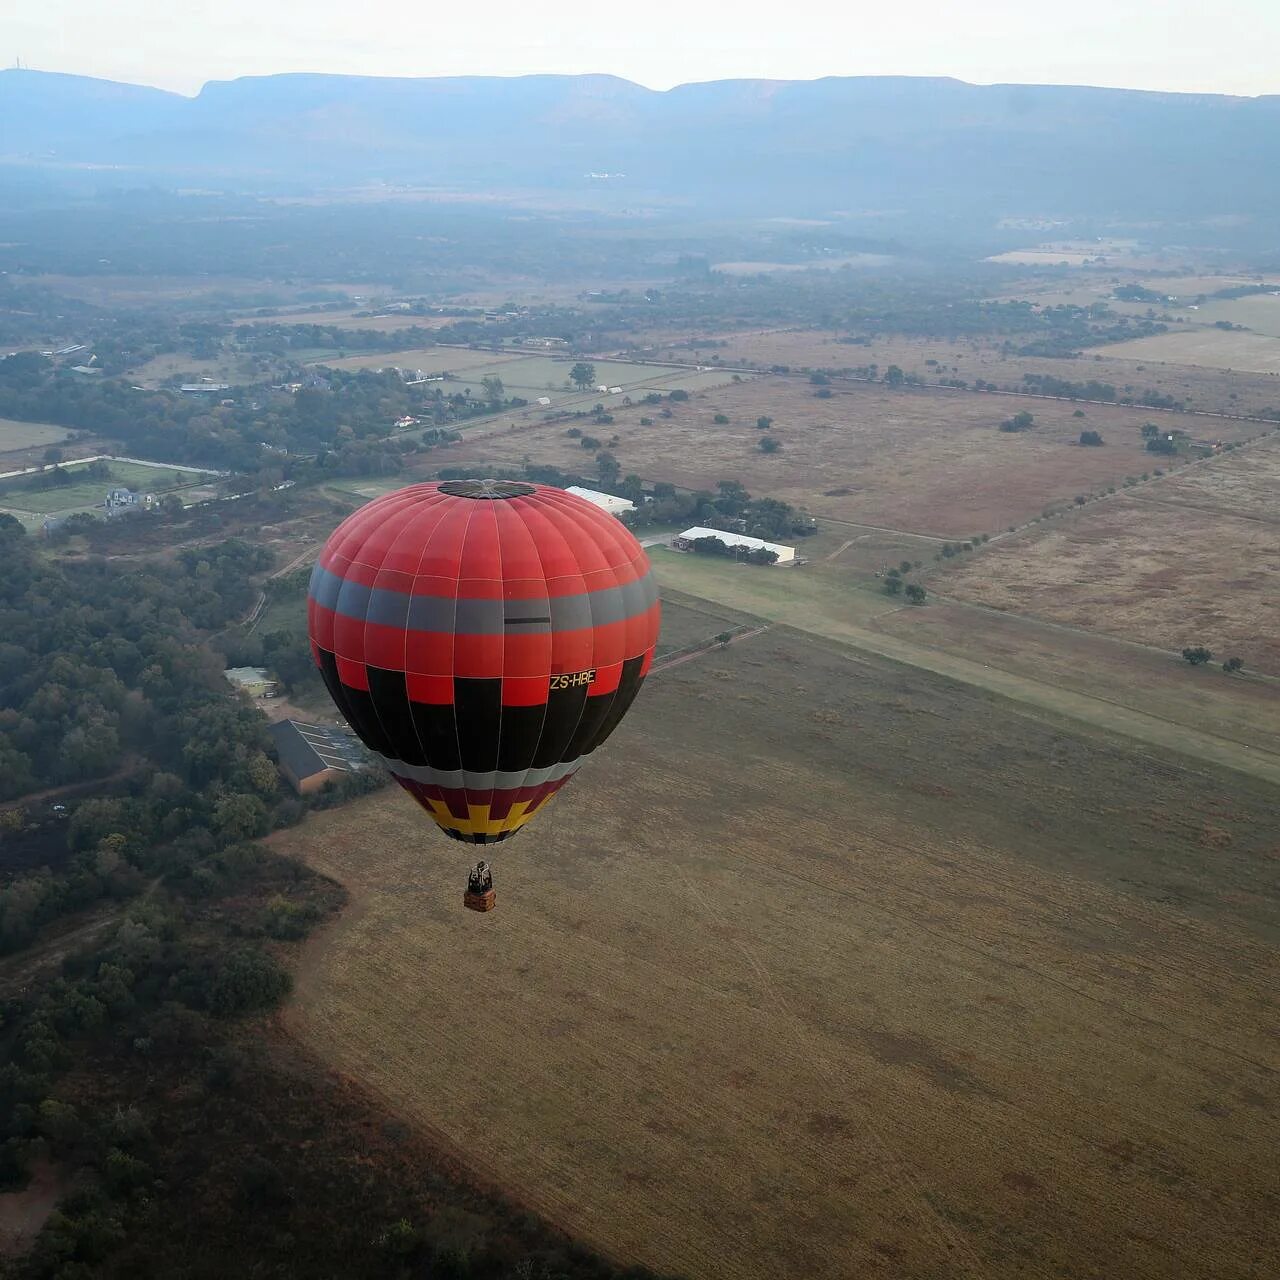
734	541
609	502
312	755
255	681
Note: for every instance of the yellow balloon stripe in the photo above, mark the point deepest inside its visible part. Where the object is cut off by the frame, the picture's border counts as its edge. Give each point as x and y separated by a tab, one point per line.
477	822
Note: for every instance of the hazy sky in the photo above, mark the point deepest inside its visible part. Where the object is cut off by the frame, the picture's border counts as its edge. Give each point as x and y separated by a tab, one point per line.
1223	46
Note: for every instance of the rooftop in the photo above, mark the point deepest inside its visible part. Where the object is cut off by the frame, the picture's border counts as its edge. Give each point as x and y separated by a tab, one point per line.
307	749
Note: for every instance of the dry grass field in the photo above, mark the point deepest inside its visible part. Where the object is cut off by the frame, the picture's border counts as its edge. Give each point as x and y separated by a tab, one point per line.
830	968
28	435
348	319
1166	574
1201	387
929	462
1215	348
1243	483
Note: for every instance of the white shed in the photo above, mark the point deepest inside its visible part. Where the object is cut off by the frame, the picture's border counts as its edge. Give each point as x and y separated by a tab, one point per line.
609	502
682	542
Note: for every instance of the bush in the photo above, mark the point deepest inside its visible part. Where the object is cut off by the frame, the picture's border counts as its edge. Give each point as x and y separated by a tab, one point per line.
1091	438
767	444
763	423
721	419
248	979
1198	656
679	395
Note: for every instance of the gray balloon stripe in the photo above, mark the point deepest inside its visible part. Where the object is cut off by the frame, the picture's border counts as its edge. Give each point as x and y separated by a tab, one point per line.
481	617
459	780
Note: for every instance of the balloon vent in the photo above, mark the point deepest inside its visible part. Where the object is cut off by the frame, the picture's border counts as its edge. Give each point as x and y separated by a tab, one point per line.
491	489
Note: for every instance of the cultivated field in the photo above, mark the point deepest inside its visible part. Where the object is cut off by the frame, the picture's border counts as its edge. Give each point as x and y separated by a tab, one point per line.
830	968
1164	573
1215	348
927	462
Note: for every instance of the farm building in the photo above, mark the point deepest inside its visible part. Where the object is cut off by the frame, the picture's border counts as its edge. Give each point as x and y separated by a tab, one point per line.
683	541
609	502
311	755
254	681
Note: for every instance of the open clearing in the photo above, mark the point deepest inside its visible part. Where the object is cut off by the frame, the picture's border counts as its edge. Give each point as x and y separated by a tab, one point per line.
1216	348
1168	575
533	376
832	968
29	435
928	462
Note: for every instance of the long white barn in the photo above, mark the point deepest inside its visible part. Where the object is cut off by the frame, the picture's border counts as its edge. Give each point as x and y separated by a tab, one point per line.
785	554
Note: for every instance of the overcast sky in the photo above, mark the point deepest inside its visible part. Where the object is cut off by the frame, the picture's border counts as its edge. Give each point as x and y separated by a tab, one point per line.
1222	46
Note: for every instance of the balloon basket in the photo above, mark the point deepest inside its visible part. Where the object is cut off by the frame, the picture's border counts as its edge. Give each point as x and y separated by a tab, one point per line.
485	901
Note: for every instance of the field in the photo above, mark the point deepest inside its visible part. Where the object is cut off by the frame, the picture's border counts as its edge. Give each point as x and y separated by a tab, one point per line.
348	319
29	435
1166	574
829	968
533	376
1215	348
90	493
1200	387
927	462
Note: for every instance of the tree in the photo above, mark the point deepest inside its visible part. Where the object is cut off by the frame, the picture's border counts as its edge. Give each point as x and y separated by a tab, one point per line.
583	375
893	585
608	467
1091	438
915	593
1022	421
763	423
1233	665
904	566
1198	655
1150	431
768	444
894	376
494	391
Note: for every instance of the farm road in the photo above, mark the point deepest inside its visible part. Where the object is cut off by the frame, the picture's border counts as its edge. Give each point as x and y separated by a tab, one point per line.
757	594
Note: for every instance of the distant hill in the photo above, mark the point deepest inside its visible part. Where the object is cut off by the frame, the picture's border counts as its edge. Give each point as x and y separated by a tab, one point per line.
882	143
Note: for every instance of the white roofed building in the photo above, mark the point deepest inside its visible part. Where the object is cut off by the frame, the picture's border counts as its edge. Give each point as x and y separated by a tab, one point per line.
683	541
609	502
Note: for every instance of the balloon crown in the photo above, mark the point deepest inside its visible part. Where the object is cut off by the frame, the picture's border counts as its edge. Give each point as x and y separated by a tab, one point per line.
491	489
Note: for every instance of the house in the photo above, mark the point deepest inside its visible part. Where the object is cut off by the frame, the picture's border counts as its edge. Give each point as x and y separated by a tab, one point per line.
313	755
255	681
544	401
685	541
609	502
120	501
204	388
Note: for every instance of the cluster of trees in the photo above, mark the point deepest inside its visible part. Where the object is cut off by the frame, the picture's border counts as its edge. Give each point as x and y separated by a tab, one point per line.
1021	421
896	584
263	428
103	671
711	546
1047	385
1198	656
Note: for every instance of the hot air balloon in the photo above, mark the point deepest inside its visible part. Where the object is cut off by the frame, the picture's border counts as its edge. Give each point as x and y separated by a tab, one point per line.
482	637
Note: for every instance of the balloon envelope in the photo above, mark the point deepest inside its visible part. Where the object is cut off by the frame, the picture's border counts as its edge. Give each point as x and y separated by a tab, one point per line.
482	637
